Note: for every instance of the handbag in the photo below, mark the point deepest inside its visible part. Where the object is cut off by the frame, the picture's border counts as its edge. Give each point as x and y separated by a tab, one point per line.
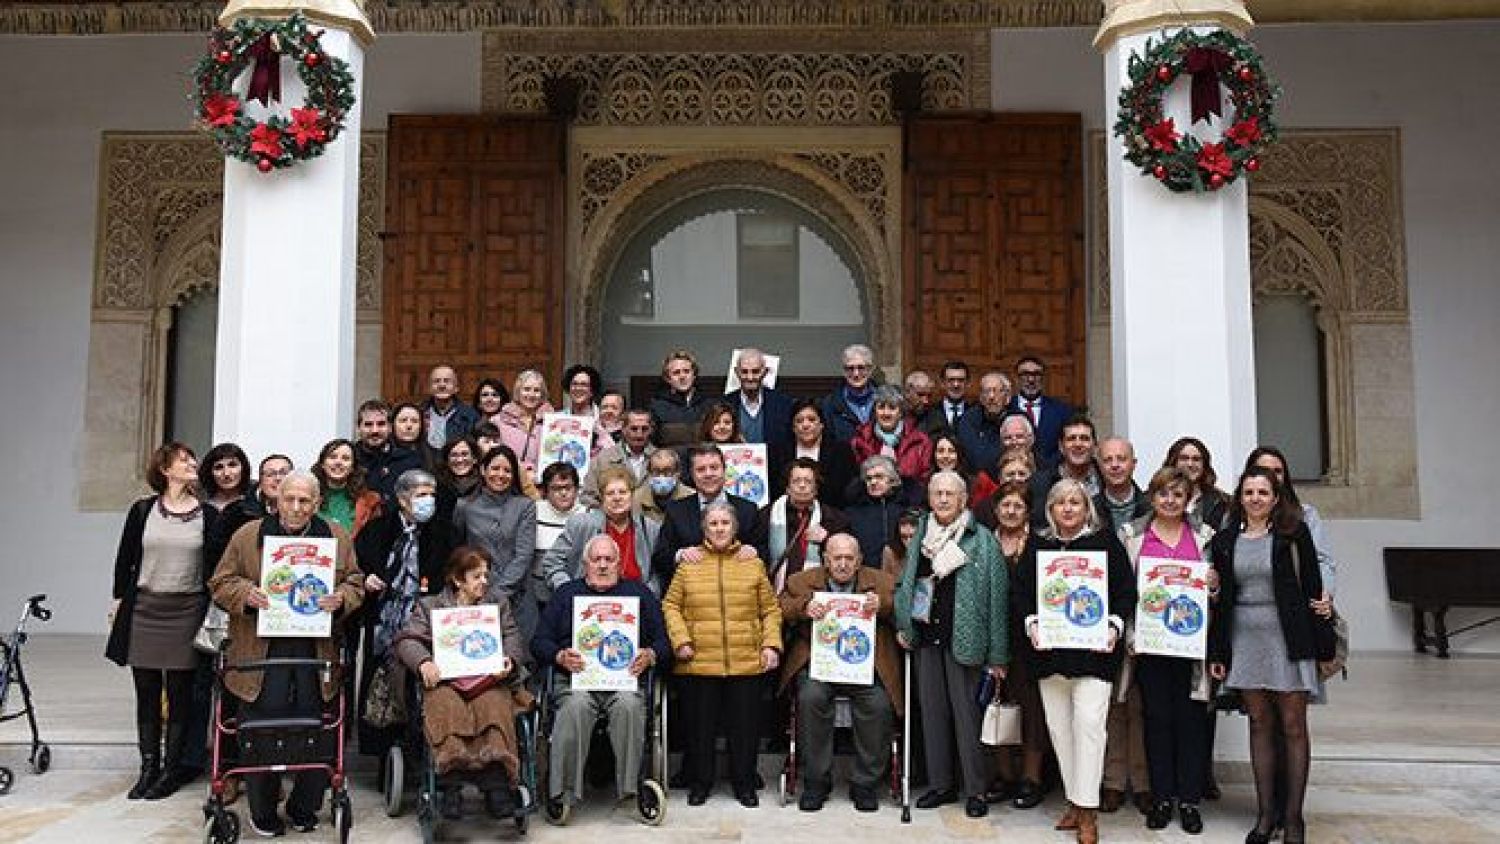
1331	635
385	705
1001	725
473	686
212	631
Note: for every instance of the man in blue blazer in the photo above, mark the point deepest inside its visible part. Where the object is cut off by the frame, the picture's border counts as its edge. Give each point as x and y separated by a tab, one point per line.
682	522
764	414
1047	414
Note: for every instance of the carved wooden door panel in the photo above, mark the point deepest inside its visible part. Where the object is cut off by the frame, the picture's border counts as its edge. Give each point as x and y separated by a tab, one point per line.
473	251
994	245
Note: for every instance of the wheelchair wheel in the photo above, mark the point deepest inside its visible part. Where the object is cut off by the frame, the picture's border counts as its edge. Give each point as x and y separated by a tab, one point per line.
394	783
343	815
784	788
222	827
43	759
651	803
7	779
557	810
523	809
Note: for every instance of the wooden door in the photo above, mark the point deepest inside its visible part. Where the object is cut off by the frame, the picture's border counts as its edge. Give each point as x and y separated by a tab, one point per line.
994	245
473	251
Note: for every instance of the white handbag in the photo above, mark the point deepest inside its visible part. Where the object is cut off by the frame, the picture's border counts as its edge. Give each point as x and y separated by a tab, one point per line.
1002	724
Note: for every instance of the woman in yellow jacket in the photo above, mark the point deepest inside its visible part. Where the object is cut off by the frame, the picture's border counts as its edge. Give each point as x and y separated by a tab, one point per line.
725	627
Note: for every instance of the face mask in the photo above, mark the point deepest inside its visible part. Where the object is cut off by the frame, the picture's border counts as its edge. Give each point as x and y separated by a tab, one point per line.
661	485
423	507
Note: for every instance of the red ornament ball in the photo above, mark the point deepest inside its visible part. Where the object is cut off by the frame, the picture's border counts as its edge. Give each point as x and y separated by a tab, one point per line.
224	57
1164	73
1245	73
312	59
264	165
1159	171
1216	181
1252	164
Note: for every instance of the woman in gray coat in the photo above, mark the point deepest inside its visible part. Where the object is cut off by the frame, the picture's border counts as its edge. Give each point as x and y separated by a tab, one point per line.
501	521
633	533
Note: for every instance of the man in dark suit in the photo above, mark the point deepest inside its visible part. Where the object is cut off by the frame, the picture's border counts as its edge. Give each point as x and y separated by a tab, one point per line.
765	415
922	403
978	430
1047	414
682	523
955	401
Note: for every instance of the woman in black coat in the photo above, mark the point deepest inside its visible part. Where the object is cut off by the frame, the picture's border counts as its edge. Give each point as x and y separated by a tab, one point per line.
835	461
1265	639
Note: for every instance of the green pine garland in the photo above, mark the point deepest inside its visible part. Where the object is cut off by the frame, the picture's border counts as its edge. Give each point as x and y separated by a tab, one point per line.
280	141
1176	158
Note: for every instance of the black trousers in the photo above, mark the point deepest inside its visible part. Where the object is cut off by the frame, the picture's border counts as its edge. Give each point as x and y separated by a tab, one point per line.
287	693
710	704
1177	728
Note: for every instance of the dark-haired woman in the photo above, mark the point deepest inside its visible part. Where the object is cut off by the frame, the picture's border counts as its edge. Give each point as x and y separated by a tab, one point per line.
409	431
346	500
489	397
835	461
160	597
500	520
1265	639
1208	504
224	476
457	474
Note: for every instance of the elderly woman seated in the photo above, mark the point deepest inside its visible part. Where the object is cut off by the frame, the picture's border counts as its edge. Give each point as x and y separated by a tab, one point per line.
579	711
469	721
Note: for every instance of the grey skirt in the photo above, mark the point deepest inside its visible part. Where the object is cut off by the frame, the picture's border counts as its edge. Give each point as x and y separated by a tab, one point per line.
162	629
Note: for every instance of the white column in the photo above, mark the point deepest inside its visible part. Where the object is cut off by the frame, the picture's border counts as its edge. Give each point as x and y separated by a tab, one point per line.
284	375
1183	359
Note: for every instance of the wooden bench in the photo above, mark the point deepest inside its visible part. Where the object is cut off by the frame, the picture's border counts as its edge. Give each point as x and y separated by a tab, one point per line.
1433	580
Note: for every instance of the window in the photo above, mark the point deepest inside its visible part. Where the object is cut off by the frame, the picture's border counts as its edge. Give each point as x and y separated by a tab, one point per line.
767	281
190	369
1291	382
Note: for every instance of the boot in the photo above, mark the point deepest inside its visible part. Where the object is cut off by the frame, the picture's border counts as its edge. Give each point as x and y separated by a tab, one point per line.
1069	819
1088	826
173	776
148	738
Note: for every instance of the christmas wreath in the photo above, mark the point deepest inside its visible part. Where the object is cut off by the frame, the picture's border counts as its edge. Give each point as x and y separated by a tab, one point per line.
1177	158
279	140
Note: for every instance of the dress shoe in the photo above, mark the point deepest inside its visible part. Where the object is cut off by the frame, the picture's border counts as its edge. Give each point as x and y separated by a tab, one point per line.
976	807
935	798
1144	800
1255	836
697	796
1029	796
999	793
150	773
1069	819
1159	816
811	801
1192	821
747	797
1110	800
863	797
1088	826
302	821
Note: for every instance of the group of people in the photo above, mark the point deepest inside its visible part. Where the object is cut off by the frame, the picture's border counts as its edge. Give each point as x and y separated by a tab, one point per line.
930	506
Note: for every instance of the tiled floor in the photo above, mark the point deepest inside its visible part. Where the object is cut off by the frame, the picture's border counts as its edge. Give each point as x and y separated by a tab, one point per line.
1408	751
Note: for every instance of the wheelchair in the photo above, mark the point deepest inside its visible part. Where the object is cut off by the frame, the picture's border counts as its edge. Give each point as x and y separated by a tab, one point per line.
411	759
11	671
273	746
650	792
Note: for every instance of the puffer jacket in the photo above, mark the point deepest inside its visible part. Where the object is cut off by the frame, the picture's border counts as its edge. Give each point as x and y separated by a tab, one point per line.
725	609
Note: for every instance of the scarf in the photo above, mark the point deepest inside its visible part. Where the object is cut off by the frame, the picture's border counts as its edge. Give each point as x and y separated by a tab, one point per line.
777	542
890	439
401	591
940	545
861	402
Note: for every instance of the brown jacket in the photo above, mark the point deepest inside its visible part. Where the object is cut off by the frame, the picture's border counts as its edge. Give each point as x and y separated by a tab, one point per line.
414	642
239	572
723	606
799	591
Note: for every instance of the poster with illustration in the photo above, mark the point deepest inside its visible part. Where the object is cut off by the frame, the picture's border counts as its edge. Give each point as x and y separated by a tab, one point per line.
1171	618
732	383
466	641
566	438
843	641
1072	599
295	571
607	631
747	473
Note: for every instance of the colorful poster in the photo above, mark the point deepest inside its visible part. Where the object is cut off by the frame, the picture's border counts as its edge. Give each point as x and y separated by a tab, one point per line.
843	641
1171	618
295	571
567	439
607	631
1072	599
732	383
466	641
747	473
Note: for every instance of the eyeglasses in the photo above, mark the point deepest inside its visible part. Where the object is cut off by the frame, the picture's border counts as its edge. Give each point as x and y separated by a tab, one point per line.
1029	373
275	473
856	367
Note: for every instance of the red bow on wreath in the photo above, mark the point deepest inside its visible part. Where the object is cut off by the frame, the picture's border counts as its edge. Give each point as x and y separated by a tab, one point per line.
1205	64
265	80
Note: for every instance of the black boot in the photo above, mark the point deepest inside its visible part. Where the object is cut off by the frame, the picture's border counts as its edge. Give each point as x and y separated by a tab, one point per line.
148	737
173	775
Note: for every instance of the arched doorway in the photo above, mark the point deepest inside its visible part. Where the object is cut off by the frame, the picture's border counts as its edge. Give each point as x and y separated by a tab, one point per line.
731	267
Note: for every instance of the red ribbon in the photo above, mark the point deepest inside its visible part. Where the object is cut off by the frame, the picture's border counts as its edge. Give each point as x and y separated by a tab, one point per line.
265	80
1206	64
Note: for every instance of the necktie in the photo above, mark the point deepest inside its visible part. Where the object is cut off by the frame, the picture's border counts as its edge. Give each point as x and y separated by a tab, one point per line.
1032	412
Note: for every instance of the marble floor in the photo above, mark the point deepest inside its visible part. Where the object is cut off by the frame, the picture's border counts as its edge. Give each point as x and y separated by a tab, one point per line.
1408	751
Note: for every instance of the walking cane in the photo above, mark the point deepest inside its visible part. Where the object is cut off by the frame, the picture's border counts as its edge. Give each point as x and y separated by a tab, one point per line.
906	745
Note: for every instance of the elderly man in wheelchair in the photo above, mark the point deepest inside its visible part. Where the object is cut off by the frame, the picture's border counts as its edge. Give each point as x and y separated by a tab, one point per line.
575	713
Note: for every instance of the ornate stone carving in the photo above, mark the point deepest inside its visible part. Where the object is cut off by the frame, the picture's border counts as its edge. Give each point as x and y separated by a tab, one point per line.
603	176
862	174
677	78
371	221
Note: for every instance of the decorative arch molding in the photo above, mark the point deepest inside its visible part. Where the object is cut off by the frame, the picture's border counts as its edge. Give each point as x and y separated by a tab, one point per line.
1326	224
849	180
160	204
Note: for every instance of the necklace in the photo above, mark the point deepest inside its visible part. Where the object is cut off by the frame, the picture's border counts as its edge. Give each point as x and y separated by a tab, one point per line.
184	516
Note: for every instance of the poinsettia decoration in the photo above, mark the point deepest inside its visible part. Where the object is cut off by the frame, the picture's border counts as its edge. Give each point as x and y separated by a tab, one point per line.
260	46
1213	62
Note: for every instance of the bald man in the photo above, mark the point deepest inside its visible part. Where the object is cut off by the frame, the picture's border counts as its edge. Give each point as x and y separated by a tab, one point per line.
764	414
